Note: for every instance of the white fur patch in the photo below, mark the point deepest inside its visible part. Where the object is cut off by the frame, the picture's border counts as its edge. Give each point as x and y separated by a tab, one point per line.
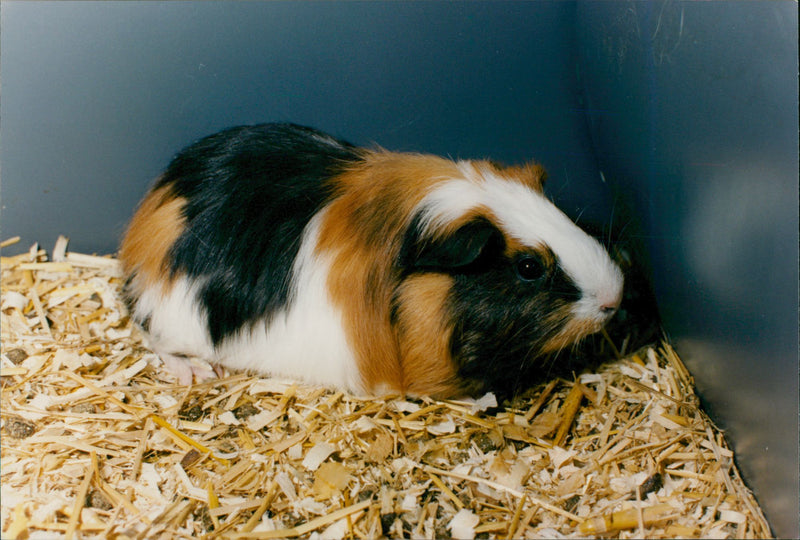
529	217
305	341
176	324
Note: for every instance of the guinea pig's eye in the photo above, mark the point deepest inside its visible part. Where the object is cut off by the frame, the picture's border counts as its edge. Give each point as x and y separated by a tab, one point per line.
529	268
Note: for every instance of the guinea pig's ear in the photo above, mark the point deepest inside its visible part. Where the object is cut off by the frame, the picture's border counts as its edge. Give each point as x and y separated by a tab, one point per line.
531	174
457	249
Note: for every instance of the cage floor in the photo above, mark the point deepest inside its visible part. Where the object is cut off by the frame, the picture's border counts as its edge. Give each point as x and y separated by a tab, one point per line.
100	442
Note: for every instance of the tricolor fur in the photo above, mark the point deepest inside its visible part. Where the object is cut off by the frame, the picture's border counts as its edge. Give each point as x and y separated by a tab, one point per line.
278	249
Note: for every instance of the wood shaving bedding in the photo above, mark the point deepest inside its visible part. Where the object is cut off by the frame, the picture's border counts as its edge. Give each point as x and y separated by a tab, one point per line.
98	441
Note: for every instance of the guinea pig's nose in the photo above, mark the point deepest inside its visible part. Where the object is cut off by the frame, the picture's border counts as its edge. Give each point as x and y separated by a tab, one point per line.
608	309
609	306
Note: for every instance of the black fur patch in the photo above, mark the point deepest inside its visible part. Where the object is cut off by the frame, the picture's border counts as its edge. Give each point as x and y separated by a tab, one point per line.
471	249
502	323
250	192
464	249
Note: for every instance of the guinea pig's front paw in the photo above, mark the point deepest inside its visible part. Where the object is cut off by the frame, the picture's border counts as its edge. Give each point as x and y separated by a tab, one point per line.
186	369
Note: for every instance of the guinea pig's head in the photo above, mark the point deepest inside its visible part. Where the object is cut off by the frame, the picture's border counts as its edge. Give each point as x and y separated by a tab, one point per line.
511	275
468	272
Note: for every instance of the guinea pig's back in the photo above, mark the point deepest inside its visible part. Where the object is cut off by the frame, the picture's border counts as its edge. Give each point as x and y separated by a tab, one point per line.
212	249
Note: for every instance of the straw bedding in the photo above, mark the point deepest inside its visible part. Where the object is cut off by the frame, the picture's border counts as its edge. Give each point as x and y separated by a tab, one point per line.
98	441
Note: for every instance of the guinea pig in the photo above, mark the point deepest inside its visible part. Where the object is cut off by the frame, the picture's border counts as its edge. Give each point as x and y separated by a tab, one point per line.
279	249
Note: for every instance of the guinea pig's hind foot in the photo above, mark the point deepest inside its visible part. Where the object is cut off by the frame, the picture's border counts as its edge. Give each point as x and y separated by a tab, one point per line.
186	368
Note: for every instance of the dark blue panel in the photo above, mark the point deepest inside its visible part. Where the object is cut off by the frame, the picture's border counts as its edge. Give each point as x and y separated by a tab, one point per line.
694	117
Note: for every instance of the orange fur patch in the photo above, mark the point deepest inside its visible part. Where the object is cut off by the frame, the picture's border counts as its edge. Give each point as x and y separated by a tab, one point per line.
424	335
363	231
153	230
572	332
530	174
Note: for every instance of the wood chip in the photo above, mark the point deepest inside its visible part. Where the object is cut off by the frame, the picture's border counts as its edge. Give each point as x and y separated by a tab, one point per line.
98	441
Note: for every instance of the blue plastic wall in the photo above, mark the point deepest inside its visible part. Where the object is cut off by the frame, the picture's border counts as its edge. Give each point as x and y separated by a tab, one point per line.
97	96
692	110
689	110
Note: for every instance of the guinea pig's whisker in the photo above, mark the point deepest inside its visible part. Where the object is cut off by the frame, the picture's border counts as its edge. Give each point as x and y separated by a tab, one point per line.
567	293
521	331
578	217
577	344
624	230
552	361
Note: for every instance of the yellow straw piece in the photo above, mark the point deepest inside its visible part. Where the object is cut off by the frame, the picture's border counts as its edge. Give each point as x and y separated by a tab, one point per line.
626	519
188	440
